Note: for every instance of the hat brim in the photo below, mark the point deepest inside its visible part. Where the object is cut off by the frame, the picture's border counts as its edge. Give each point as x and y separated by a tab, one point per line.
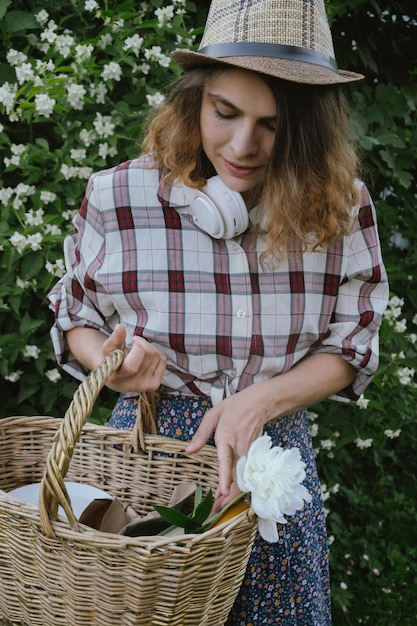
285	69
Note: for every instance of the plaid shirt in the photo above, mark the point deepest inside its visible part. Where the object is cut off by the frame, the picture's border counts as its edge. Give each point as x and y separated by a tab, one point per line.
222	320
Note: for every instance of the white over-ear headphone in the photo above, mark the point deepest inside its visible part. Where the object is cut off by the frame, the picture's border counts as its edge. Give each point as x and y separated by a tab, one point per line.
217	210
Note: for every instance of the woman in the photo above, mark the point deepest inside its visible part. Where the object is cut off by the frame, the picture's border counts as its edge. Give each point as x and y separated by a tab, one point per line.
244	299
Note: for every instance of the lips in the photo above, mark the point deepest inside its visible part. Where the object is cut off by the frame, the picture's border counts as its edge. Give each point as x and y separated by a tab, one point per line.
240	170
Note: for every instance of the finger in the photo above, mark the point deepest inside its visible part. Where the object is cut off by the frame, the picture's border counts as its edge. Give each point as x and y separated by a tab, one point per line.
204	432
227	461
115	340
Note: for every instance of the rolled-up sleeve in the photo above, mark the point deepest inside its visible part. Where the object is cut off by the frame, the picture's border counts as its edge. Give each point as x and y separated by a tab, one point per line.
362	298
78	299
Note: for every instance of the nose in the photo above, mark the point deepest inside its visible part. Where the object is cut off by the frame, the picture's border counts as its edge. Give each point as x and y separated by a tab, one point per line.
244	141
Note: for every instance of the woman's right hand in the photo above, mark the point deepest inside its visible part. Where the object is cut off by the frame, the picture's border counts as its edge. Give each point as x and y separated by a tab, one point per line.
142	369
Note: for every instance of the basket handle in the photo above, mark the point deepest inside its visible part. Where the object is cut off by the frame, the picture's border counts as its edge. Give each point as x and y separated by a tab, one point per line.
53	492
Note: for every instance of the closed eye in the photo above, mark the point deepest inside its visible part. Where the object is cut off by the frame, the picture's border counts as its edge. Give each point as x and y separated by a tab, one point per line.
223	116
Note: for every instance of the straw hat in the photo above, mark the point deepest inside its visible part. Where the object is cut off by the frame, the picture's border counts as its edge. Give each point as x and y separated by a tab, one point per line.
289	39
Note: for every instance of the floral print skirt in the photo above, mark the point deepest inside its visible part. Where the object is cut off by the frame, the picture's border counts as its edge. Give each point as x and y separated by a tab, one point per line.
286	582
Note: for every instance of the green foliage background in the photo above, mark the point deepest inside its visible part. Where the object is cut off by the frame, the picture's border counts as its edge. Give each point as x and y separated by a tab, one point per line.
366	453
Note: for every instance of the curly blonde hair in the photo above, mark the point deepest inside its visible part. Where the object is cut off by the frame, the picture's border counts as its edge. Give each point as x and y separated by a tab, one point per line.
309	187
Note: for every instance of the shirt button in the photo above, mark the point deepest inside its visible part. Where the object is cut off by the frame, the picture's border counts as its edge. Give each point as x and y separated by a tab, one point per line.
241	313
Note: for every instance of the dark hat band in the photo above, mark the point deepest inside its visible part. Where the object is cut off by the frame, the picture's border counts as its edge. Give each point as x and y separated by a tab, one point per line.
259	49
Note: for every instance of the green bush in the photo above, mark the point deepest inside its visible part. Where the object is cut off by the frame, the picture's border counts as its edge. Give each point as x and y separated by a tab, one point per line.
76	81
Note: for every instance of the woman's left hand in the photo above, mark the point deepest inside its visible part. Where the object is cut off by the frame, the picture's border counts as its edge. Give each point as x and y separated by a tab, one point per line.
236	422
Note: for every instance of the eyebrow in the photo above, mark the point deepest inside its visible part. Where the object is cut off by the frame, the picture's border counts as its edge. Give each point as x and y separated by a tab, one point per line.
230	105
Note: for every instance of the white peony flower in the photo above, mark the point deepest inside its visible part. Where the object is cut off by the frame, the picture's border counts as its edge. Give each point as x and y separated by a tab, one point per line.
273	476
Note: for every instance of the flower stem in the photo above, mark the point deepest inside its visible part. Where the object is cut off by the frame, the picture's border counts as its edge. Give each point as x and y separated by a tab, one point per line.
226	507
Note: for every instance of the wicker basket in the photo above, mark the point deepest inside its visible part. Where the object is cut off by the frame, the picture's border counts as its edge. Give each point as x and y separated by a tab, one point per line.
59	572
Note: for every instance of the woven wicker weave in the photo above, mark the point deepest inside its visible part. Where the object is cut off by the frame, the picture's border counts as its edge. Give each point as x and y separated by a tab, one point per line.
59	572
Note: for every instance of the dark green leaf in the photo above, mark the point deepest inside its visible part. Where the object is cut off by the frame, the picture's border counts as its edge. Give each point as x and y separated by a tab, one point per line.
17	21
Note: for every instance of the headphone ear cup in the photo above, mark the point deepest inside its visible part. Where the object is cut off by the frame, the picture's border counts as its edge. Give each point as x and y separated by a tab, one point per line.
217	210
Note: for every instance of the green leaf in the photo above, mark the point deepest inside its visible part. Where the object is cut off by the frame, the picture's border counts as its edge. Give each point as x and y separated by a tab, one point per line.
29	324
174	517
17	21
197	498
4	5
203	510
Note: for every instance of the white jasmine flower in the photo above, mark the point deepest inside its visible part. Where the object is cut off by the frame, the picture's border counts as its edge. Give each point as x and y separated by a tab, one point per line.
156	99
49	34
103	150
67	171
87	137
99	92
343	585
405	375
78	154
64	43
22	189
133	43
314	430
394	309
400	326
17	150
412	337
5	195
34	241
53	375
415	319
362	402
44	104
22	284
15	57
13	377
31	351
83	53
7	96
117	25
392	434
34	218
52	229
325	493
111	71
18	241
43	67
24	73
273	476
91	5
104	41
42	17
144	68
165	14
327	444
48	196
85	172
399	355
155	54
103	125
56	269
363	443
75	96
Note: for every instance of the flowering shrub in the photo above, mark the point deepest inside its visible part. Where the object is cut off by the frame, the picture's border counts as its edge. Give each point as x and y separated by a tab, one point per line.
76	81
366	456
76	86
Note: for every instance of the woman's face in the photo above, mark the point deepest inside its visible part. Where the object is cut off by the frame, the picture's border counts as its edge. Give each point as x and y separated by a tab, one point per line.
237	123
